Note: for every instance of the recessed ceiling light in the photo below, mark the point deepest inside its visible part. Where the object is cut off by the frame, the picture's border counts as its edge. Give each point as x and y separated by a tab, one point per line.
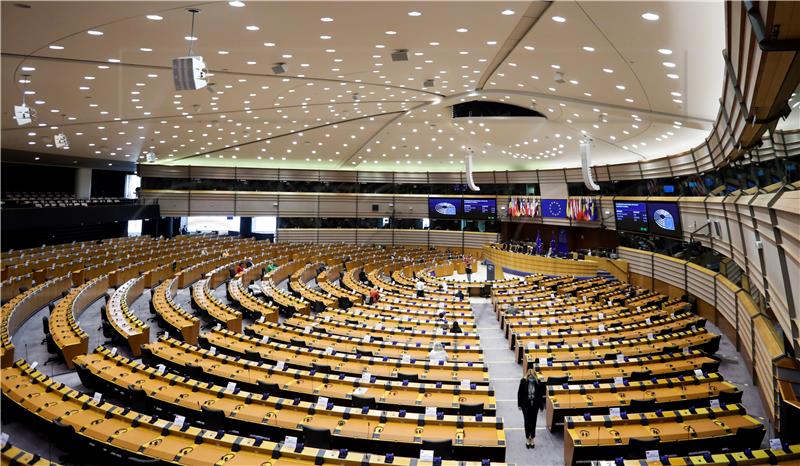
391	33
88	78
665	51
145	49
113	60
507	12
252	28
675	94
154	17
380	46
190	38
491	42
94	33
287	55
103	67
673	76
677	101
236	3
414	13
650	16
57	47
669	64
559	19
462	30
608	70
223	52
324	37
434	44
84	88
530	48
555	67
28	68
326	19
269	44
620	87
588	48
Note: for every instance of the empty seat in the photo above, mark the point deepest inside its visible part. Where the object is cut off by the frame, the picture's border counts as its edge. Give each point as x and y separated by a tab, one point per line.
642	406
749	437
317	437
470	409
638	446
638	376
359	401
730	398
441	448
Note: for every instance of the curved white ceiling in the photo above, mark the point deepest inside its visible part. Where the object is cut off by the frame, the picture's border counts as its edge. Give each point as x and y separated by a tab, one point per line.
112	93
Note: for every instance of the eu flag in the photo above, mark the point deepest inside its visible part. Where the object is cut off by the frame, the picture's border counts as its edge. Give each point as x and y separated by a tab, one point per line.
554	208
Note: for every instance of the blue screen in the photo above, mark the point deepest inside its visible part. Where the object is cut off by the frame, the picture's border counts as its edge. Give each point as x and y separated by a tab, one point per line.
631	216
554	208
480	209
668	188
664	218
444	207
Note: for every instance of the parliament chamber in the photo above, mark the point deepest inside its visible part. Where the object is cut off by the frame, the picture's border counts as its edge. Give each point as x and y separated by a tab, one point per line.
445	233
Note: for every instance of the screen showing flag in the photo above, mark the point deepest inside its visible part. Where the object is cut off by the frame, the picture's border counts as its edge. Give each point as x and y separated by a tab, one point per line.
554	208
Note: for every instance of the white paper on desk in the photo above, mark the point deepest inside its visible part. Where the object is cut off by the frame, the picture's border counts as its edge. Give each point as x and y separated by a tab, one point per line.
542	361
161	369
307	330
261	319
652	455
620	358
430	411
775	444
360	391
34	364
290	442
405	359
698	373
366	339
426	455
179	420
465	384
613	412
600	315
97	397
584	299
595	342
322	402
327	318
280	365
714	404
552	295
618	381
231	386
114	351
638	308
647	321
264	339
365	377
553	320
3	439
601	328
213	350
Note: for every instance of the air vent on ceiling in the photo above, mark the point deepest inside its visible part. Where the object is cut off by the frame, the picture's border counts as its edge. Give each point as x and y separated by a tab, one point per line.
400	55
476	109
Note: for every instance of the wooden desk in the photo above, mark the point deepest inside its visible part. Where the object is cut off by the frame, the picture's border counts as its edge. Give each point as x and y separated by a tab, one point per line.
606	437
393	432
784	457
12	455
127	325
297	382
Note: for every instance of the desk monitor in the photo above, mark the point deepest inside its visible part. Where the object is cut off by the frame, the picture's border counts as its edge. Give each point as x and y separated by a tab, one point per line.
444	207
480	209
664	218
631	216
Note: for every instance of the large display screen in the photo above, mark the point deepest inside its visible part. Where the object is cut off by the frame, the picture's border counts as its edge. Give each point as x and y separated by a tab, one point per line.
631	216
664	218
480	209
444	207
554	208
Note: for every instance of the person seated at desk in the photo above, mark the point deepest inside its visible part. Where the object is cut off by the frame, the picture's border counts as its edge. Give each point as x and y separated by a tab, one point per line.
437	353
271	267
239	268
455	328
460	295
512	310
362	276
374	296
420	289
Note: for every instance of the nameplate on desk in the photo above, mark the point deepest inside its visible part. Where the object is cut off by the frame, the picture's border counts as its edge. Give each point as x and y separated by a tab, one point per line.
465	384
280	365
618	381
714	404
426	455
542	361
601	328
620	358
179	421
329	350
698	373
405	359
430	411
366	377
600	315
595	342
212	350
161	369
366	339
648	321
360	391
261	320
290	442
322	402
34	364
97	397
614	412
114	351
264	339
775	444
652	455
650	336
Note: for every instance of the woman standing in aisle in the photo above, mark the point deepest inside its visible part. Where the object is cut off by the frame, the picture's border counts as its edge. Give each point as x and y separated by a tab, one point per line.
530	399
